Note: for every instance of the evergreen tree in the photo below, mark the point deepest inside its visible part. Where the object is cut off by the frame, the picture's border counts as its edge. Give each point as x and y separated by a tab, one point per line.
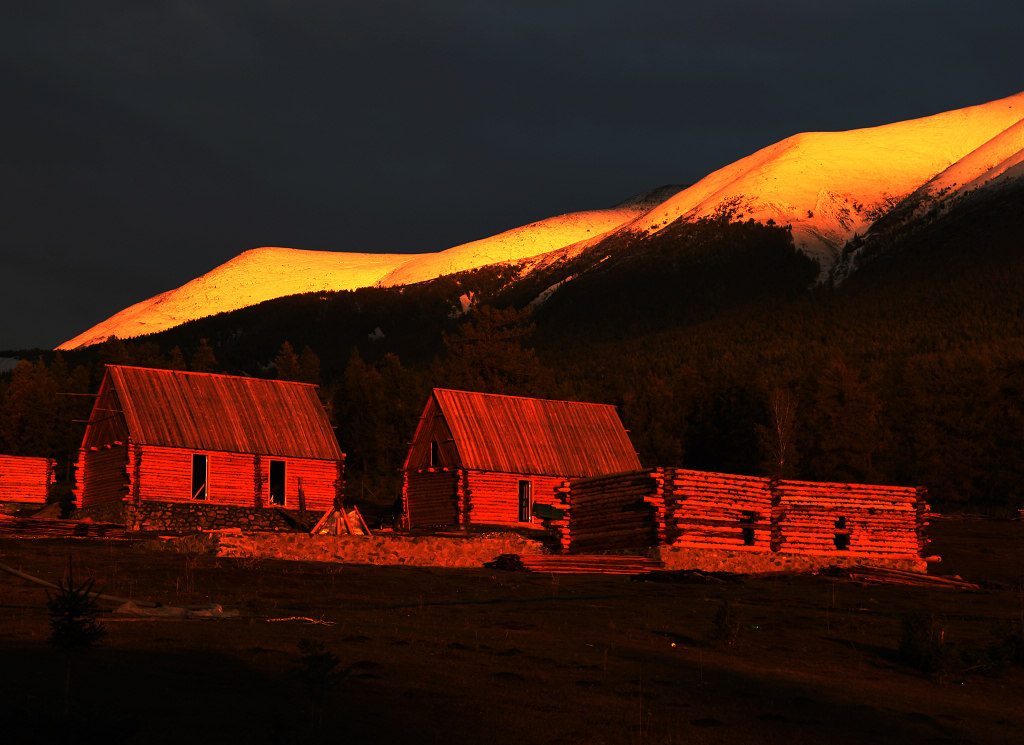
31	416
487	355
849	429
287	363
203	359
309	366
175	359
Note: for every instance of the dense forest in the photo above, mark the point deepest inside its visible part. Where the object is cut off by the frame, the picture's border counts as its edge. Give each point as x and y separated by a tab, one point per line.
713	339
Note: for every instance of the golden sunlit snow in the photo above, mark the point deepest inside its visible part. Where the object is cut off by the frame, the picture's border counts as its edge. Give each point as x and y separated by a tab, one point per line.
826	185
266	273
829	185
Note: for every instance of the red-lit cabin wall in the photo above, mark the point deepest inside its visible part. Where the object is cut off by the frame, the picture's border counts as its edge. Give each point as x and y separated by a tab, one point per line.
616	512
101	475
432	498
871	521
319	481
165	475
26	479
238	479
718	510
494	497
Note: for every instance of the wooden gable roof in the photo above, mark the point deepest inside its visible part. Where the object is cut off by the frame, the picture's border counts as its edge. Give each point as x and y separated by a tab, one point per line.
205	411
512	434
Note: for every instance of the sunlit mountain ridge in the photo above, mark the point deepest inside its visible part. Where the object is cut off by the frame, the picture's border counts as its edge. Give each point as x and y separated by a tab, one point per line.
266	273
828	186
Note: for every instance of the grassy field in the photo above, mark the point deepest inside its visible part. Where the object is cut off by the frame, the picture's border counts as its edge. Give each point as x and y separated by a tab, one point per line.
482	656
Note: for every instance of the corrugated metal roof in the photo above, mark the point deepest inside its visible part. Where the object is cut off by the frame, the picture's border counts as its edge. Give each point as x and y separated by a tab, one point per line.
204	411
510	434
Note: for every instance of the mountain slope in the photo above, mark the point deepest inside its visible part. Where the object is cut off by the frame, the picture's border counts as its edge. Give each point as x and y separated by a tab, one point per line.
250	278
265	273
828	187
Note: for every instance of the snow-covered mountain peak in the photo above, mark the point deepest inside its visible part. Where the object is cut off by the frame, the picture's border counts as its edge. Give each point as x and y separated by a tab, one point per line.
830	185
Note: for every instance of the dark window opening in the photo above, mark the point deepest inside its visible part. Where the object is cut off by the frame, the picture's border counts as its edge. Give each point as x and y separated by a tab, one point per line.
748	520
841	540
525	501
277	482
435	454
200	475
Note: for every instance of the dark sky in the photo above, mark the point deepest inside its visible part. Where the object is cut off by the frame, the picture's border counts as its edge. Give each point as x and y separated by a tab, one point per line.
145	143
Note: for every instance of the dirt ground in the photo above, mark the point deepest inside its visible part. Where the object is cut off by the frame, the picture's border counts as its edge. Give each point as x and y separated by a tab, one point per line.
435	655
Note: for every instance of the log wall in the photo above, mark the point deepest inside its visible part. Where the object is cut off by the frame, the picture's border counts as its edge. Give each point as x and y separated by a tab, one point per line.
237	479
619	512
682	508
102	475
26	479
143	473
316	481
855	519
493	498
431	498
718	510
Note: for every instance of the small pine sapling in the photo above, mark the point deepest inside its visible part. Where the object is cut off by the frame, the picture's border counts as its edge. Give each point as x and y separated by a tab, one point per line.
74	621
318	670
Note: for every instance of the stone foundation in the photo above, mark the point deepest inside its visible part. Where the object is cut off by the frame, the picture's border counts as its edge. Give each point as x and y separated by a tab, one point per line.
192	517
379	549
13	508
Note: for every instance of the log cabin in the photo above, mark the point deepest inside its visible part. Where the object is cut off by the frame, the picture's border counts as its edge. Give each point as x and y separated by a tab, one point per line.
178	450
488	459
26	480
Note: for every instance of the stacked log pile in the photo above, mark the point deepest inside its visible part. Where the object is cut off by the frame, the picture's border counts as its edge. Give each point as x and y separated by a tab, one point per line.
575	564
26	479
857	519
624	511
718	510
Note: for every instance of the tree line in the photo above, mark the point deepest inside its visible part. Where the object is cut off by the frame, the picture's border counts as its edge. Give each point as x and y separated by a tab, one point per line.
910	373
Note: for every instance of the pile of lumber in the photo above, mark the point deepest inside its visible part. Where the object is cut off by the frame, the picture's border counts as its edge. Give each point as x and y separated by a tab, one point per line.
718	510
882	575
342	522
623	511
862	520
575	564
27	527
